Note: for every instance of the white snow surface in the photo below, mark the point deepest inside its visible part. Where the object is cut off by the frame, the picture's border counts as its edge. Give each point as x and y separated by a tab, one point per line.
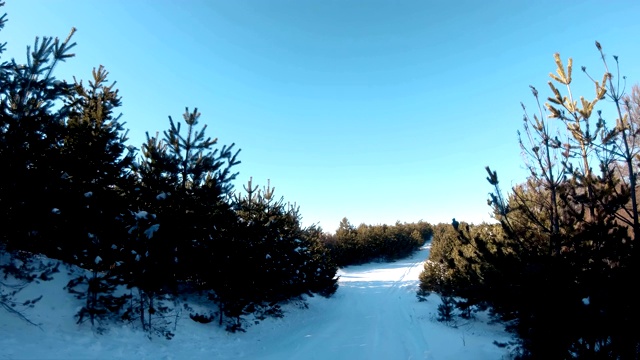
374	315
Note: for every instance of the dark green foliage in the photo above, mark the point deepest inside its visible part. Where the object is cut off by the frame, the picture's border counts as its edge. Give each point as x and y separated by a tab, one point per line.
455	266
96	167
181	213
446	309
271	258
367	243
561	269
318	261
101	302
542	296
31	128
185	183
92	200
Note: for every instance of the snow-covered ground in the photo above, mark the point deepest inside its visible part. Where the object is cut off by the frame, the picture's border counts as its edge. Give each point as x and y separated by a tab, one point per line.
374	315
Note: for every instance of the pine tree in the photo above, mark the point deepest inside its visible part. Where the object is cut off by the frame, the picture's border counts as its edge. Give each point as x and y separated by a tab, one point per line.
284	260
347	250
31	126
182	213
575	210
92	202
30	132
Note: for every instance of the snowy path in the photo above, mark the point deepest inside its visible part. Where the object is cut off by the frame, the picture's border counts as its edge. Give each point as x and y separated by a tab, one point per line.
369	319
374	315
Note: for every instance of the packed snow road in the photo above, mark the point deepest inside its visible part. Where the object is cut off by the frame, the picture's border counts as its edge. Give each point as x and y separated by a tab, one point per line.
374	315
371	319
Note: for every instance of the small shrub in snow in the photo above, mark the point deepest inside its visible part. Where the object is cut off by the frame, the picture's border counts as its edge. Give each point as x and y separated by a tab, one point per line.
446	309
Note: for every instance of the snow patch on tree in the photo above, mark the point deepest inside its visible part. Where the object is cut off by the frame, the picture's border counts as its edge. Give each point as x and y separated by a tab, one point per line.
151	230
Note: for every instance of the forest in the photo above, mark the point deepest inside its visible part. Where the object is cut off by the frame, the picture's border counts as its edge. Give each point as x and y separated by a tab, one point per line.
151	223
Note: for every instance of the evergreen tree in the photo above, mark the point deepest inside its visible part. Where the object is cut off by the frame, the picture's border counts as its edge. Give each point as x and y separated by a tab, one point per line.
92	202
283	260
30	131
31	127
561	270
346	249
623	139
182	213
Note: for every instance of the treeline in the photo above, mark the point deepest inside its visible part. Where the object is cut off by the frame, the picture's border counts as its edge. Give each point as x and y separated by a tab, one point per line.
562	265
146	225
350	245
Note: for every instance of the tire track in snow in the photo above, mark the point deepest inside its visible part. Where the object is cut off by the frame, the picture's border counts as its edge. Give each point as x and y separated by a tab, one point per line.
395	326
413	330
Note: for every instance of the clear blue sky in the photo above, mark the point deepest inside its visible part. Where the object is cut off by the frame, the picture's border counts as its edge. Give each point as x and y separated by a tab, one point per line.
374	110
